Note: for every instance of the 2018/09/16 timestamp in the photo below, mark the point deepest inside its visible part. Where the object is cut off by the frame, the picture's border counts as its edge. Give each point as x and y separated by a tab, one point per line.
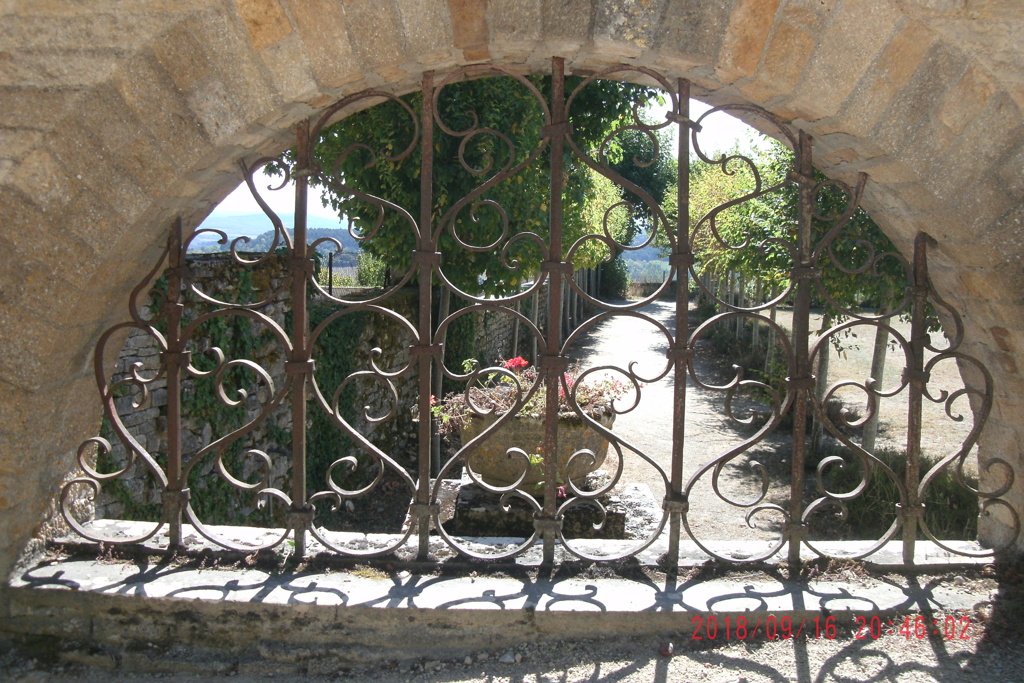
864	628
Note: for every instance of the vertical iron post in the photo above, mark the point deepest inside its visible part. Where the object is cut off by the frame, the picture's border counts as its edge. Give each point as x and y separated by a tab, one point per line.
802	381
915	400
330	273
681	260
175	360
300	365
426	258
553	365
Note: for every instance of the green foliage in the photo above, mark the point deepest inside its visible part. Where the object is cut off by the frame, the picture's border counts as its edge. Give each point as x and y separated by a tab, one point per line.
132	508
371	271
361	151
951	509
214	499
459	343
335	360
645	159
614	279
751	231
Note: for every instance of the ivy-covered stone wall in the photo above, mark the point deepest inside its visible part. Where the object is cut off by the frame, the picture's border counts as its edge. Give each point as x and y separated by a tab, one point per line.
345	352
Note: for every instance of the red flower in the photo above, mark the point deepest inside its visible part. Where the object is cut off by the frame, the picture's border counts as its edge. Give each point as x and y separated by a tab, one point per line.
517	363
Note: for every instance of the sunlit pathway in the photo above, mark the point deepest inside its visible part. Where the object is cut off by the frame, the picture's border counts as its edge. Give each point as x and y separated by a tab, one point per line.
623	340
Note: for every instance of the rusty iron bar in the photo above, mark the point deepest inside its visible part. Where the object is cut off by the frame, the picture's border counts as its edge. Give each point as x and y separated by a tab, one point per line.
682	261
299	265
911	514
177	490
425	362
802	380
552	362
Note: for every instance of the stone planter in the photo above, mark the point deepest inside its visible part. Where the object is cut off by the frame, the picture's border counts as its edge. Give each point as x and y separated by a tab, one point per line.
490	459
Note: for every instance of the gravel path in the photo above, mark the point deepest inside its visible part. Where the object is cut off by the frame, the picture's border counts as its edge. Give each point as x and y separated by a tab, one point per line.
708	432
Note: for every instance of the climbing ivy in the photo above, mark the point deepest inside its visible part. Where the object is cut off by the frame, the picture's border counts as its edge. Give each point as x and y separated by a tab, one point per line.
335	356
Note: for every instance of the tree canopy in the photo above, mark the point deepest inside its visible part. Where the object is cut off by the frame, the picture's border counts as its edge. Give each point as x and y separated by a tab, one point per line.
858	264
492	124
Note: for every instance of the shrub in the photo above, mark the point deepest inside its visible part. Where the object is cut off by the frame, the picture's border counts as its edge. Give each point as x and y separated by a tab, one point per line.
614	279
951	509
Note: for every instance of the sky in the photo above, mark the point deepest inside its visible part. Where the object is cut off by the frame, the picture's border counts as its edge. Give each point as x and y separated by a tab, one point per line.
719	133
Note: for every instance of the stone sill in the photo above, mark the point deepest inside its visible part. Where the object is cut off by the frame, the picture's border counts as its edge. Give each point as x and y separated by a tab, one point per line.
928	555
140	614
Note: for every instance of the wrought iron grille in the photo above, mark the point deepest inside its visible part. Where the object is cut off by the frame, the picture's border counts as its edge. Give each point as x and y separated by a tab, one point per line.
302	390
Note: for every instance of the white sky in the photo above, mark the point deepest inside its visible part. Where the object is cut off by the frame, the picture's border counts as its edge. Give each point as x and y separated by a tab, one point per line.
720	132
240	202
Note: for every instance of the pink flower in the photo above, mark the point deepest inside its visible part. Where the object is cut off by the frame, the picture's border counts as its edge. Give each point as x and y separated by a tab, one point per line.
433	400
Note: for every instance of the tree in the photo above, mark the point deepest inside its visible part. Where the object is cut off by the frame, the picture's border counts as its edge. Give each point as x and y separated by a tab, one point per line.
740	228
644	158
492	124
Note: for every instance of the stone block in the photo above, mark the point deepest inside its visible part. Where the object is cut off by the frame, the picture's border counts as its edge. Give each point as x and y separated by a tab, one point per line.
517	22
845	50
41	295
97	28
324	31
789	49
429	26
466	27
1011	172
908	120
567	20
225	82
160	107
636	23
995	128
887	76
288	62
111	184
966	219
55	69
15	143
183	58
809	15
696	30
44	179
965	99
265	20
375	32
479	513
33	108
745	37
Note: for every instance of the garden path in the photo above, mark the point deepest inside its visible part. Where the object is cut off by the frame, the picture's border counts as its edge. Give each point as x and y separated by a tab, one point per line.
708	433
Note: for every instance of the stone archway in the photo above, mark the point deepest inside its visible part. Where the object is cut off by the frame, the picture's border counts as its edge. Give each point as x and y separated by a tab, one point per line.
116	120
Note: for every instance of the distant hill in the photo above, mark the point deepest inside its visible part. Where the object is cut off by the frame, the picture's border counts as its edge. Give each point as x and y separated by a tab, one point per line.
648	253
260	231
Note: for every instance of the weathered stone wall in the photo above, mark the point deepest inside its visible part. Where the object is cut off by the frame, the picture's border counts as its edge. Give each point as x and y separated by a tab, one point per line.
116	118
221	277
496	332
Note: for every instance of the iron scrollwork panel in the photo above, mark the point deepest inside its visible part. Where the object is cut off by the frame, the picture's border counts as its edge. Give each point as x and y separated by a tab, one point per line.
529	261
